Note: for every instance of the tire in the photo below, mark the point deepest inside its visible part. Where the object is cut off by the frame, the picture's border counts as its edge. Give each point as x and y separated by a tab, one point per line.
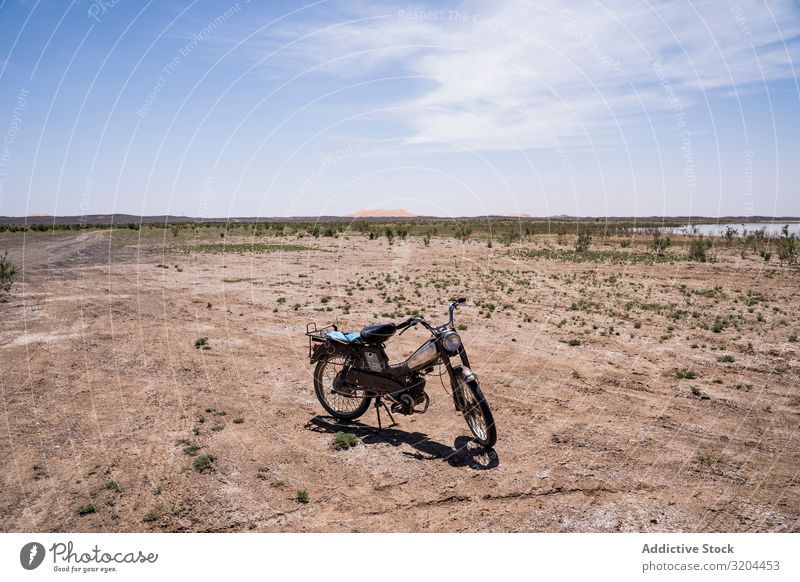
476	410
337	404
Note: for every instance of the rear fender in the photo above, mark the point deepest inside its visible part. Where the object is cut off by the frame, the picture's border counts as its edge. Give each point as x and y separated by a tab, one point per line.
327	348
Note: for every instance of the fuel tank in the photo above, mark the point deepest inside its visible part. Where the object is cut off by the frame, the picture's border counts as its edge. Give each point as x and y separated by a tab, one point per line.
424	356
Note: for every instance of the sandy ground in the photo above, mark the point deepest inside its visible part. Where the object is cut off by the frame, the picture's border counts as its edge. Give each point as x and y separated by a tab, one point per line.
101	380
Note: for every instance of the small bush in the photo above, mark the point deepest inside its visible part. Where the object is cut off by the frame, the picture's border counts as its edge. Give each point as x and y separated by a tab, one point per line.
113	486
685	374
204	461
191	448
660	242
698	249
86	509
151	516
583	242
574	342
302	496
344	440
705	458
7	273
726	359
202	343
696	391
238	420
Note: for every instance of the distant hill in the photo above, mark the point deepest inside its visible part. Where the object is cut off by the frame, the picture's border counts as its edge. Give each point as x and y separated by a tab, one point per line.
381	213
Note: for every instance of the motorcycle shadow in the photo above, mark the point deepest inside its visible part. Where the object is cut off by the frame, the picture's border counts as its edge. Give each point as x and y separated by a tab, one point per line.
465	452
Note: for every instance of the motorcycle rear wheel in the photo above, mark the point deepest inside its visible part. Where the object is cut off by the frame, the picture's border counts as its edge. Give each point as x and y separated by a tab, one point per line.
476	412
337	403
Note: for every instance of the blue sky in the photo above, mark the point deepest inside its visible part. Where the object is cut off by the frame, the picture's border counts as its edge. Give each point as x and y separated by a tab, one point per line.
442	108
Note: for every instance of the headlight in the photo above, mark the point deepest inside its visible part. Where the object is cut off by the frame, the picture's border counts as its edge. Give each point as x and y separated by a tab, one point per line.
451	341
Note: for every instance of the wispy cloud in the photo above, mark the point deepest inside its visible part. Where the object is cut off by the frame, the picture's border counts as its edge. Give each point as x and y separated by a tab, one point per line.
512	74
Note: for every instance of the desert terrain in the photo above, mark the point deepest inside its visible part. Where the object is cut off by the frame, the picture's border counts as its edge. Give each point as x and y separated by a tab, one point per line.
631	392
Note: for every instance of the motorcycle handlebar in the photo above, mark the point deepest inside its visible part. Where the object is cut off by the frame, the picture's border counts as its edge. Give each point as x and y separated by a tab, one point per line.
406	323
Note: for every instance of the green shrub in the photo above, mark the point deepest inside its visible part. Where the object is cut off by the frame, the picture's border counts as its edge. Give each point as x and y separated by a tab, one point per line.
86	509
726	359
787	246
583	242
685	374
698	249
7	273
302	496
204	461
151	516
660	242
344	440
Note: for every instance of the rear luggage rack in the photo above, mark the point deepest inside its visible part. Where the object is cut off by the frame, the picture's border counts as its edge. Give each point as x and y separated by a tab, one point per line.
317	335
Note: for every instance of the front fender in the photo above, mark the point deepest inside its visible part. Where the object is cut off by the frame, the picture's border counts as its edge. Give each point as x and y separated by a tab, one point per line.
466	375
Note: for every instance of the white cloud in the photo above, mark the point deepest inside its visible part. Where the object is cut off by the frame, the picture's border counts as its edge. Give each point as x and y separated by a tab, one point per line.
506	74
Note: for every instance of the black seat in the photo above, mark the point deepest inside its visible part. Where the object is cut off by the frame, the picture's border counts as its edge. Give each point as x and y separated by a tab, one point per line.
377	334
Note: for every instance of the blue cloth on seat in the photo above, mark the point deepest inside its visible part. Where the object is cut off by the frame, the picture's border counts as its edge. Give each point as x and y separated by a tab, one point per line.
338	336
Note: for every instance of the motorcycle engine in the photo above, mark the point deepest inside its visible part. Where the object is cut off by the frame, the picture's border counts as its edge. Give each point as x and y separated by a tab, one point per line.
414	395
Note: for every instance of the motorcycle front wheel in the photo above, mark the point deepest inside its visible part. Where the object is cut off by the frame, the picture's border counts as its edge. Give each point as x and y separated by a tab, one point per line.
340	402
476	411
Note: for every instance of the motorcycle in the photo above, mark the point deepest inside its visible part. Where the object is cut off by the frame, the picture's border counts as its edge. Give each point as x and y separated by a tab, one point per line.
353	370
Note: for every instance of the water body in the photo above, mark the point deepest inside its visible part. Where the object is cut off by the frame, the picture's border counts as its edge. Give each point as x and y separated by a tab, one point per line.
772	229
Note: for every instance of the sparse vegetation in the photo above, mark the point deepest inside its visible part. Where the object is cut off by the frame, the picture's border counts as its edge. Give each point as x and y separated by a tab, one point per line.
660	242
151	516
204	462
86	509
583	241
698	249
344	440
7	273
685	374
302	496
202	343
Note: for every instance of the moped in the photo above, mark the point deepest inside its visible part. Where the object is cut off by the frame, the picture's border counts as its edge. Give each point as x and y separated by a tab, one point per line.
353	370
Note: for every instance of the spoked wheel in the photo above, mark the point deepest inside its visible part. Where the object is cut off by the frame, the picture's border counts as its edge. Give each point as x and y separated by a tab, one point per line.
339	401
476	411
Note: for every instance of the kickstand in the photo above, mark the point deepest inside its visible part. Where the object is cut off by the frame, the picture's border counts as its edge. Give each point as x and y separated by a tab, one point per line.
378	404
